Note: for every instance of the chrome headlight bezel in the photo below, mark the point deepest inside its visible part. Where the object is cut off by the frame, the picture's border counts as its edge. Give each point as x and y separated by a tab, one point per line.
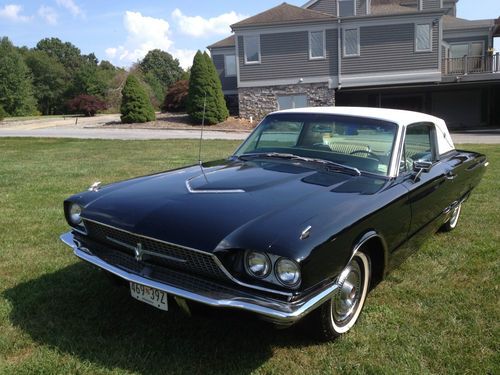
74	214
266	262
286	263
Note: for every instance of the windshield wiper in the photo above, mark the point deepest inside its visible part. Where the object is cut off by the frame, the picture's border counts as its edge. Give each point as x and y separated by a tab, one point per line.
330	164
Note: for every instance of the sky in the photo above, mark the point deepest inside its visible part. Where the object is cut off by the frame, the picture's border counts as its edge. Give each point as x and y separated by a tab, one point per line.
124	31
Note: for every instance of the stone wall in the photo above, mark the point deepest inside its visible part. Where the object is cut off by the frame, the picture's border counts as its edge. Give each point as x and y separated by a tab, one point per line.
257	102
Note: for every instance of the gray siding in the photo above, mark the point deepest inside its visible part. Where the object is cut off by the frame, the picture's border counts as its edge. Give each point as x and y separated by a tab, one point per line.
431	4
228	83
326	6
286	55
391	48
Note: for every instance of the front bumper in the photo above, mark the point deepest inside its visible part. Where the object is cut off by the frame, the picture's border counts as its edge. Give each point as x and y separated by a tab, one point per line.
278	312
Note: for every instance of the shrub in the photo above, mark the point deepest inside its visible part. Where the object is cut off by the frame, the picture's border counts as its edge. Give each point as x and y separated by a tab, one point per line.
89	105
136	106
205	84
176	98
3	114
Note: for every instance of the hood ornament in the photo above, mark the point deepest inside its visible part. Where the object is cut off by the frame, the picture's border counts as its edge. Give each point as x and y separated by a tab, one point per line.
96	186
306	233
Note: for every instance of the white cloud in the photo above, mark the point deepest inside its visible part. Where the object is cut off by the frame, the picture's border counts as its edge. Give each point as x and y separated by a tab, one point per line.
48	14
12	12
185	56
198	26
71	6
144	34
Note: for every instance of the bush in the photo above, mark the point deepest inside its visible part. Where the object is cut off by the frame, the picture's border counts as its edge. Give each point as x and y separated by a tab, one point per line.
3	114
136	106
205	84
176	98
89	105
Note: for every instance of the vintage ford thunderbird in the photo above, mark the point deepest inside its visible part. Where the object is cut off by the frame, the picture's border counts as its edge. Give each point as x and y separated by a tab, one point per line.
310	213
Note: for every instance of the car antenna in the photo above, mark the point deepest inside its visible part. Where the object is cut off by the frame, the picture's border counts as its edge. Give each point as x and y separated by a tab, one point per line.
200	163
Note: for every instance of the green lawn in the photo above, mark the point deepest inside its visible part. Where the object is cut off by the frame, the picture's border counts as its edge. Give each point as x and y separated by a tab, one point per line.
438	313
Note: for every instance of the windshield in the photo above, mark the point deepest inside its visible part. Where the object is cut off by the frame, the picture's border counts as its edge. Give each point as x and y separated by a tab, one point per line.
357	142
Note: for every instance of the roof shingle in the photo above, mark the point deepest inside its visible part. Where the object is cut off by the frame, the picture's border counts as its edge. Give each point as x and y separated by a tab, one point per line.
282	14
230	41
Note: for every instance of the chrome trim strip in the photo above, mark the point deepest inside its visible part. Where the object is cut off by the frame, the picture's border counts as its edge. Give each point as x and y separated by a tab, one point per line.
217	261
193	191
276	311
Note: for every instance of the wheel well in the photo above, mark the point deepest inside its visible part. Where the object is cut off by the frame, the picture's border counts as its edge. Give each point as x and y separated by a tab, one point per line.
374	248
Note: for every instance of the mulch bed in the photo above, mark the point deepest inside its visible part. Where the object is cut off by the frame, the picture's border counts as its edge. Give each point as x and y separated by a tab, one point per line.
181	121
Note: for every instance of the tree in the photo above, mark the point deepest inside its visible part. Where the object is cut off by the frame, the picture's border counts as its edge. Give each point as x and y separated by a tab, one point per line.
160	71
87	104
16	89
176	98
205	92
3	114
50	81
66	53
136	106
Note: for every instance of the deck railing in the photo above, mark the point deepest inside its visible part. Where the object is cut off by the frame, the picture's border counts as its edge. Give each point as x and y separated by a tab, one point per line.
471	65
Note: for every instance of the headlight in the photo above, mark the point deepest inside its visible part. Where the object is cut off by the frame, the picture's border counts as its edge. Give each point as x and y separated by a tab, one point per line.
287	271
257	264
75	211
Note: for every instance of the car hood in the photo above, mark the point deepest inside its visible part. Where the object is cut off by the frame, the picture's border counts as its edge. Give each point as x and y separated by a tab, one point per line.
230	204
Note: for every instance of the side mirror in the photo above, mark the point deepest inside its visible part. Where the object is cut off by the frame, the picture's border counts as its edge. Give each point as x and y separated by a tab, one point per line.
421	166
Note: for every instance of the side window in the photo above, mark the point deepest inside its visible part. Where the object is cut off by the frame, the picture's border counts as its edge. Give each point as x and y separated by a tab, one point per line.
419	145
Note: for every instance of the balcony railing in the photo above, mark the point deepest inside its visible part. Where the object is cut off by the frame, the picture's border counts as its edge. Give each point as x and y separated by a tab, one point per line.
471	65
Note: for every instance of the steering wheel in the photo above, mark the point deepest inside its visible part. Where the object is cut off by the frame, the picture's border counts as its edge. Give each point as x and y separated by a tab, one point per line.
375	156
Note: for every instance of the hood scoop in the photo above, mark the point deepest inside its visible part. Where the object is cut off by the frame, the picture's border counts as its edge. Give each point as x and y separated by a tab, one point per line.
207	190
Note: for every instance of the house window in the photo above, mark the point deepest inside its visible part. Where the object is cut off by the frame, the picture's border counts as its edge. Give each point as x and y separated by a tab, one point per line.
423	37
252	49
292	101
346	8
230	65
351	42
317	45
474	49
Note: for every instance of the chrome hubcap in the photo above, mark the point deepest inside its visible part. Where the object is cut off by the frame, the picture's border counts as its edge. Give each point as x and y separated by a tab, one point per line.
454	216
346	300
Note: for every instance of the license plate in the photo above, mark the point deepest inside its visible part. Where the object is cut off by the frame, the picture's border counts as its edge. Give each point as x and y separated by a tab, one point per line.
151	296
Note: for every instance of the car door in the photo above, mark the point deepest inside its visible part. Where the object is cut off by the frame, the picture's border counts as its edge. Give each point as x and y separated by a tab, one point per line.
428	193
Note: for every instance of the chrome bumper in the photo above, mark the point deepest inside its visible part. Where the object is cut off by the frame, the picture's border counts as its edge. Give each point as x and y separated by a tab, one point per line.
278	312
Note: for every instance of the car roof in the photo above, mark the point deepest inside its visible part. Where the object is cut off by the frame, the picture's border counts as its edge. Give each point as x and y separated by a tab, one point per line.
400	117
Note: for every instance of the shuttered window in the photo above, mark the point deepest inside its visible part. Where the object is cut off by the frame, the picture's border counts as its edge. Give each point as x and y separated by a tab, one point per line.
317	44
351	42
423	37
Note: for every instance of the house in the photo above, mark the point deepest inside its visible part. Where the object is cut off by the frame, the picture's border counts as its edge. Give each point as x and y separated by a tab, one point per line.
407	54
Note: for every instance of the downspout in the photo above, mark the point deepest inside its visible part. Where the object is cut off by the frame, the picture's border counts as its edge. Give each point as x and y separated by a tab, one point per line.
339	54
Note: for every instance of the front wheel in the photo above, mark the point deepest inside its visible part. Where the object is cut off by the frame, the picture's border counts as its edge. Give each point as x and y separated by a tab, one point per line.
339	314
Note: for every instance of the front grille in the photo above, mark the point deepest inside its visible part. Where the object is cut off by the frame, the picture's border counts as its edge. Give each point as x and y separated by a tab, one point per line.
161	253
155	272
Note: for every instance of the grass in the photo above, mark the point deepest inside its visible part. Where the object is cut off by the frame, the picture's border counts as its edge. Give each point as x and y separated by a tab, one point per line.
438	313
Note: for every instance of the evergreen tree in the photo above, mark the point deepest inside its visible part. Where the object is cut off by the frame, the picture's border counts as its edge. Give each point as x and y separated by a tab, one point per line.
135	106
205	90
16	89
